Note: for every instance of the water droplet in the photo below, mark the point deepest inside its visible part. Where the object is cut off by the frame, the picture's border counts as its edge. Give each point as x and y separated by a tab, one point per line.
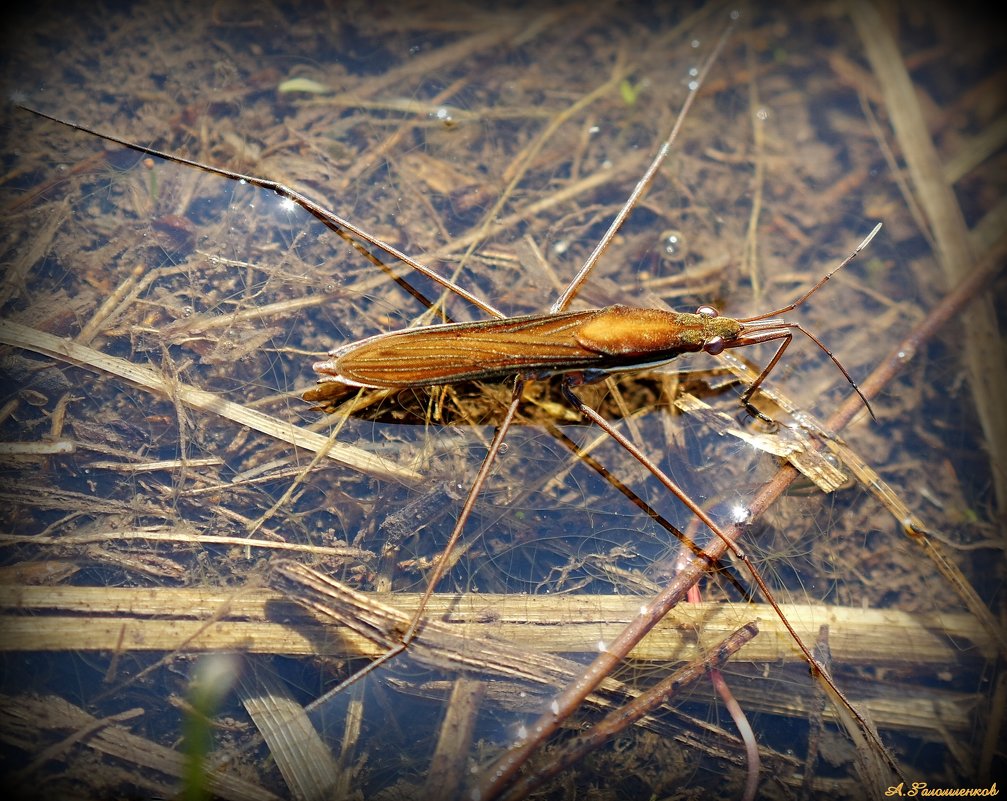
554	707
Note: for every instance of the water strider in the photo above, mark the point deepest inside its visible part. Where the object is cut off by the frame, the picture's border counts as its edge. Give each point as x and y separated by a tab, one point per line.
591	341
585	341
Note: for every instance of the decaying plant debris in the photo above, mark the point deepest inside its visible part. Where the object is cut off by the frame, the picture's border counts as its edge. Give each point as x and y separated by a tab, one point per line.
159	325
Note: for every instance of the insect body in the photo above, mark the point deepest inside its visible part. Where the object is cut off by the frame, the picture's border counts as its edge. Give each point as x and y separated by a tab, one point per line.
537	345
533	345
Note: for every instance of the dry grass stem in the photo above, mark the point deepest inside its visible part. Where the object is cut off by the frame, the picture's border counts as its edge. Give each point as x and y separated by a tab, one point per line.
159	619
984	349
12	333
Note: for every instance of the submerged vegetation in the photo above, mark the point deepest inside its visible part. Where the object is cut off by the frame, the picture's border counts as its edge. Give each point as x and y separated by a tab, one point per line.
162	474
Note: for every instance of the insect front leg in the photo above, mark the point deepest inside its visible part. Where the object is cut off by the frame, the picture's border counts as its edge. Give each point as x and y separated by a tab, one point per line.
746	396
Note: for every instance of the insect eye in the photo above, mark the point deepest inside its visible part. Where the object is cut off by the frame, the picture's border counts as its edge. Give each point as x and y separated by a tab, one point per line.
707	311
714	346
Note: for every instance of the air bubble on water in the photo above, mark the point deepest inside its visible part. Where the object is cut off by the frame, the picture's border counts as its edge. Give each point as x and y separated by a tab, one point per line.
672	244
693	72
694	44
443	114
762	114
693	86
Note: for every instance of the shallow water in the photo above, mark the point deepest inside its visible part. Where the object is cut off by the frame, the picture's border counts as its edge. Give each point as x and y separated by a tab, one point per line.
415	125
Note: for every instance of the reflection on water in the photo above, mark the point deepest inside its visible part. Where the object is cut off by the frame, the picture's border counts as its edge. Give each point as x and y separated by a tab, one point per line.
495	148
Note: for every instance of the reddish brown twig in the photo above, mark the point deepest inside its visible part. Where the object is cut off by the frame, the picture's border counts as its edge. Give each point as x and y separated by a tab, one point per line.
645	703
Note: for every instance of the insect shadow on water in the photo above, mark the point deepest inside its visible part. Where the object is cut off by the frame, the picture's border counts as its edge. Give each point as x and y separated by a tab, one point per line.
584	343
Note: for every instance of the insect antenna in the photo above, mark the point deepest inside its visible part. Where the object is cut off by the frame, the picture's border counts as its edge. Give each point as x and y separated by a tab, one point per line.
791	306
767	327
